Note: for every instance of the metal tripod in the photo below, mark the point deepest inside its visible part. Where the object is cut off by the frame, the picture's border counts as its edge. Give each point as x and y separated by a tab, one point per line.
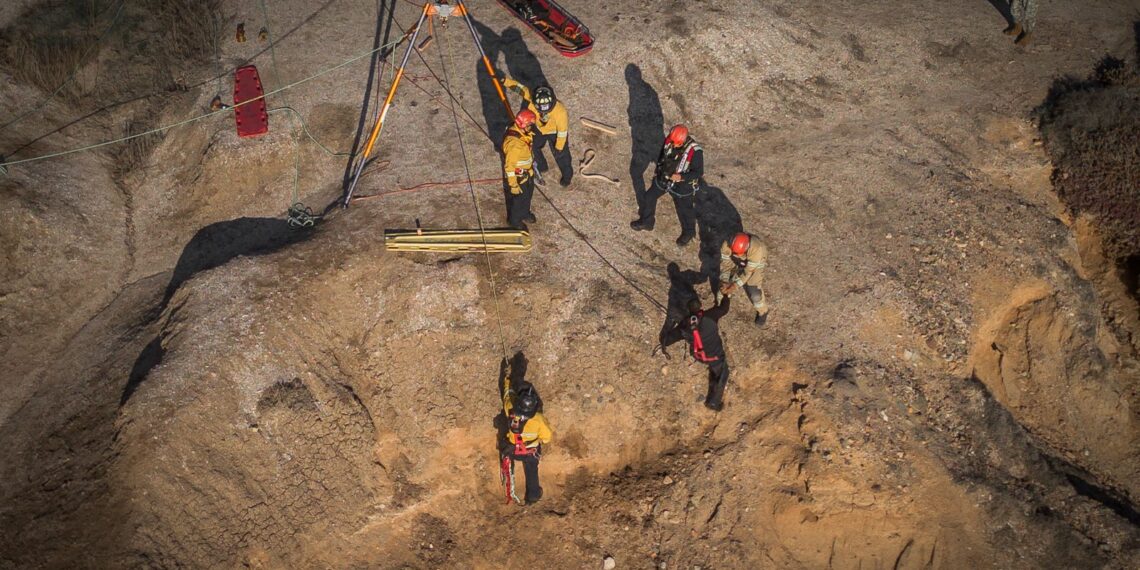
444	10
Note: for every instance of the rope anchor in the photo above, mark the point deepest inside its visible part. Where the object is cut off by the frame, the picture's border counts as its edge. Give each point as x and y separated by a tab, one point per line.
301	216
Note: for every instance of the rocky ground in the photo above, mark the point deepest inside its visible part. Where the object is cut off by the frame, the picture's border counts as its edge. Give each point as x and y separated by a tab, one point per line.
948	378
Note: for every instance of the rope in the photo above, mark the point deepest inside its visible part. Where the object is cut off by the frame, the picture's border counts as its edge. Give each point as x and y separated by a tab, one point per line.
43	102
321	73
471	189
586	160
585	239
305	130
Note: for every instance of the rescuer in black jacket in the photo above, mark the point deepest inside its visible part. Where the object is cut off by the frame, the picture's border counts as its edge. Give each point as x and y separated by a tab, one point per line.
700	330
680	168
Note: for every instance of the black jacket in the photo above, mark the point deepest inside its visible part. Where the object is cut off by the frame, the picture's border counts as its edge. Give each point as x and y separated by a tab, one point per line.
672	156
706	328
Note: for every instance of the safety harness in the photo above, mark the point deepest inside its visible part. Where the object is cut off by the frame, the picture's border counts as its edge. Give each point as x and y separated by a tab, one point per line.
507	463
698	345
684	159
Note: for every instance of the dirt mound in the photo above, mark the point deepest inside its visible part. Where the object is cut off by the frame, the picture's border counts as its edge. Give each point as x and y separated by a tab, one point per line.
948	377
1089	128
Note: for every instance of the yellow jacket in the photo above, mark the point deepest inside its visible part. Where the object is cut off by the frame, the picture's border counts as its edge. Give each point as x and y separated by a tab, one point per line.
557	121
748	270
535	431
517	158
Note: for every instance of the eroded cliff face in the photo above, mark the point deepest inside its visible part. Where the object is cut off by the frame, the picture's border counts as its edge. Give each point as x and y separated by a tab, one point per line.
947	378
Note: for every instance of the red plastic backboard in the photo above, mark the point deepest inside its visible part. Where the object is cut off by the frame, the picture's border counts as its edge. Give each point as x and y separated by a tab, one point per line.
252	118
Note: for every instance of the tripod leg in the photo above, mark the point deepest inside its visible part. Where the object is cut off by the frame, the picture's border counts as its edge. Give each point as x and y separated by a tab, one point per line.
387	104
486	62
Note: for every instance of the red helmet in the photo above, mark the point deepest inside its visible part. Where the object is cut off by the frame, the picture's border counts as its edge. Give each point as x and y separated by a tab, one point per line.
525	119
740	243
677	135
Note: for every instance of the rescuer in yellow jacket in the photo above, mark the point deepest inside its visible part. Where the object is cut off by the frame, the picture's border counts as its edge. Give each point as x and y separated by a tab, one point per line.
553	124
526	433
518	170
743	259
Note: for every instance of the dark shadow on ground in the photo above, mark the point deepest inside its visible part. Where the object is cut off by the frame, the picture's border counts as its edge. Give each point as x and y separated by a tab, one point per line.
220	242
384	20
1003	8
148	359
522	65
682	288
211	247
646	128
717	219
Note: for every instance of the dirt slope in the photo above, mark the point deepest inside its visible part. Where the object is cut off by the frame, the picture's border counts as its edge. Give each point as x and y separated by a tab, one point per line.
948	378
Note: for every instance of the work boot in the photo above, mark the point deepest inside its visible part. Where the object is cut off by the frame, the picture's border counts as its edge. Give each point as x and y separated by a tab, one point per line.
641	226
714	407
1014	29
521	226
684	240
532	500
530	219
761	319
564	182
1023	38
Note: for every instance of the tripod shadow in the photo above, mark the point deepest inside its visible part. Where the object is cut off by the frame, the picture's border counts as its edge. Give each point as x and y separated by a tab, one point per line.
717	220
682	288
646	128
384	21
212	246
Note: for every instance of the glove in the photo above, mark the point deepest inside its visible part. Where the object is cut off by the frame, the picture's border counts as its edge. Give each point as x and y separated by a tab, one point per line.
727	288
512	85
516	190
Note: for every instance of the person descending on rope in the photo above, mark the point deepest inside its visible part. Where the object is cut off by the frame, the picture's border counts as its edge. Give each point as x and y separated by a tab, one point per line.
700	330
527	431
518	169
553	125
742	261
680	168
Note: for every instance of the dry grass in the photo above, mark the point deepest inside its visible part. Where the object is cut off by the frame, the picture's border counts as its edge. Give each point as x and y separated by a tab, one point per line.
48	64
133	153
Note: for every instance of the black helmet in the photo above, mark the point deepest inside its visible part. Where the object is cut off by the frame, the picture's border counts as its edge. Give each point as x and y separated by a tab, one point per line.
544	99
526	401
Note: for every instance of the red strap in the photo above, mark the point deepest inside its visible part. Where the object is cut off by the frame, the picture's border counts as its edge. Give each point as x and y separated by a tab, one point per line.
699	348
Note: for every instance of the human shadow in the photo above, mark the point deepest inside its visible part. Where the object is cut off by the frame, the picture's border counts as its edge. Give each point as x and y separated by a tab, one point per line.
682	288
717	220
522	66
646	128
1003	7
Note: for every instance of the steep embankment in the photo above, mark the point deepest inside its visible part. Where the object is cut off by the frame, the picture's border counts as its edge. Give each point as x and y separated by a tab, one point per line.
946	379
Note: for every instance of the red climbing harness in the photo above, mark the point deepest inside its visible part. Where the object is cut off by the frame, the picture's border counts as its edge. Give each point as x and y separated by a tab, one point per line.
698	346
